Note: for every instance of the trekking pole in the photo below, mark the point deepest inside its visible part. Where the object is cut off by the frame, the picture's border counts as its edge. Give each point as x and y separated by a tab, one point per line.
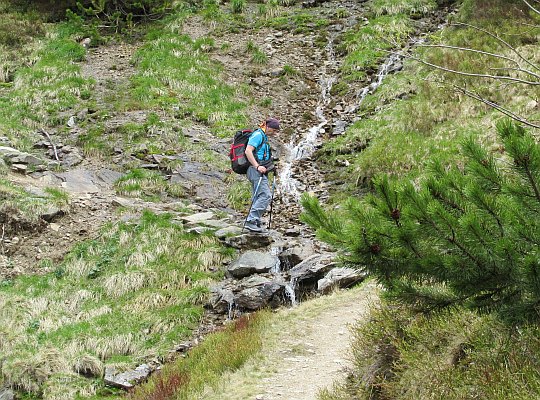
252	201
272	198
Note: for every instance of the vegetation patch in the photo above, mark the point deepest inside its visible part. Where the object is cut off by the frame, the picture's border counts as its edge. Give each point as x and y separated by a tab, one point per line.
51	84
455	355
175	72
221	352
20	209
117	300
418	112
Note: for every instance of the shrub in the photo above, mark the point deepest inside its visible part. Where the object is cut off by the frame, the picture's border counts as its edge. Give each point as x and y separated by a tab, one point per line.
460	237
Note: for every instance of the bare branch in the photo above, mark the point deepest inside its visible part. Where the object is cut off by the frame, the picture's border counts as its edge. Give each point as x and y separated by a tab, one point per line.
531	7
500	40
440	67
496	106
495	55
44	132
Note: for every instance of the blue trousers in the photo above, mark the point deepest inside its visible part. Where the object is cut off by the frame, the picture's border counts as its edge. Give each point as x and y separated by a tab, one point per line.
263	196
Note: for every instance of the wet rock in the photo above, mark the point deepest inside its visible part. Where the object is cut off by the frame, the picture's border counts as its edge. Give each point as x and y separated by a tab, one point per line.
252	262
6	394
249	294
259	292
339	277
339	127
126	380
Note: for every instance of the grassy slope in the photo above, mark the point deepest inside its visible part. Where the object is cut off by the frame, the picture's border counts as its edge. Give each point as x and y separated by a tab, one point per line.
415	114
460	354
125	297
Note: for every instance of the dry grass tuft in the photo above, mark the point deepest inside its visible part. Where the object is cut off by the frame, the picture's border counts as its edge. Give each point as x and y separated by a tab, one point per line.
119	284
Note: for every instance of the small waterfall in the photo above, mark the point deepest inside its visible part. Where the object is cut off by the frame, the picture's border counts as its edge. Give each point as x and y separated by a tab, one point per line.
306	146
290	291
387	66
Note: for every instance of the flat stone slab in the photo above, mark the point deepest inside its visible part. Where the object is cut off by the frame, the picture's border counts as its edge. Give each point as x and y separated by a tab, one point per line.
231	230
126	380
198	218
79	181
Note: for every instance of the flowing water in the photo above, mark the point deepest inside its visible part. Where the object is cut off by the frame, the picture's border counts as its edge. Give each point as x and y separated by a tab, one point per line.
305	147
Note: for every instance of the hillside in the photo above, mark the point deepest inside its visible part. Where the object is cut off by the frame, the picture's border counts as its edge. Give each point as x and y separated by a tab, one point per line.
115	180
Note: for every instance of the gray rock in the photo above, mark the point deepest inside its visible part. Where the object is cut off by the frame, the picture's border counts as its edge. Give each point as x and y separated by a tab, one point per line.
108	176
339	277
79	181
215	224
248	241
259	295
126	380
6	394
4	141
228	231
198	218
312	269
252	262
52	213
71	122
8	152
296	253
25	158
19	168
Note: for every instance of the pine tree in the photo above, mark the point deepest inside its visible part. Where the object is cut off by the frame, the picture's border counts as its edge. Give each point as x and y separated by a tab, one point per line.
468	236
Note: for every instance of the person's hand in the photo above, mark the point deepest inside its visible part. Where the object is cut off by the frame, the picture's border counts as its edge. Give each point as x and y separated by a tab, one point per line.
261	169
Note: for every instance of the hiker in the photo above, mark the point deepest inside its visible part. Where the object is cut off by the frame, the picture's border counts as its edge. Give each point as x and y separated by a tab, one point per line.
259	156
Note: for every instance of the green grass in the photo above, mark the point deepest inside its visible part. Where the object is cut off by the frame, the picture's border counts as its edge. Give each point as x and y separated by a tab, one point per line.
393	7
175	71
412	116
364	47
51	83
120	299
147	184
25	207
221	352
455	355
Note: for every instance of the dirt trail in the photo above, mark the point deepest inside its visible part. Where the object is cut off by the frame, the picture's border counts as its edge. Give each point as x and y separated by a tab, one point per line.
305	350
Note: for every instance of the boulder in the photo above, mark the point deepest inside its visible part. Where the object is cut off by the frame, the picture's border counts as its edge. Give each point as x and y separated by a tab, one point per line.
126	380
252	262
249	294
299	250
339	277
259	292
248	241
311	269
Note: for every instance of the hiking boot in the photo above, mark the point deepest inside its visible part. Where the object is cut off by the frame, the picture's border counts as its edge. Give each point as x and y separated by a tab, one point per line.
253	226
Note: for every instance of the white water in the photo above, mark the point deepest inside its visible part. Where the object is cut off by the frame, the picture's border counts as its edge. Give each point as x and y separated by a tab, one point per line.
306	146
383	71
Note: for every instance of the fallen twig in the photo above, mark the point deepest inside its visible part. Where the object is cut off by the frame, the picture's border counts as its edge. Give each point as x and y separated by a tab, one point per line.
43	131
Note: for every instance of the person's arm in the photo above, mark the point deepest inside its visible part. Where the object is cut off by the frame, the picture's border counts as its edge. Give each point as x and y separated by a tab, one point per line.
253	161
